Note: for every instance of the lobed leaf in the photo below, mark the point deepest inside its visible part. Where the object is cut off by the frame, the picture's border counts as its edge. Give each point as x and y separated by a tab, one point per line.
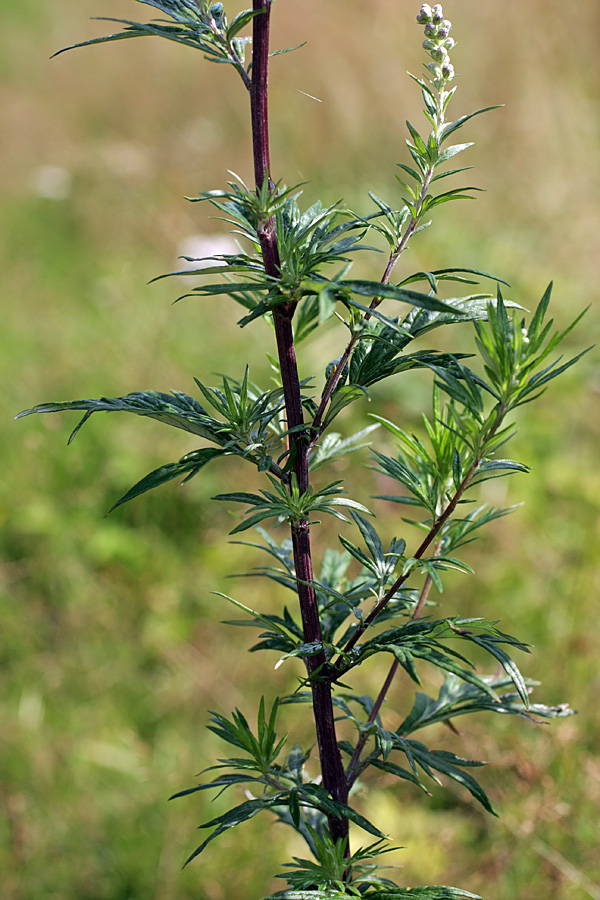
328	894
448	764
188	466
429	892
332	446
457	698
235	817
392	292
176	409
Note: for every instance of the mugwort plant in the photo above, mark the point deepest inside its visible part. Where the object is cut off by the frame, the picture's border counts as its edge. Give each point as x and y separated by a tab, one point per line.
369	595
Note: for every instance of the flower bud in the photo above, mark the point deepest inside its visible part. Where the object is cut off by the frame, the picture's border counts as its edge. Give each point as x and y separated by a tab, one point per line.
239	45
437	14
425	14
444	29
449	43
439	54
430	29
435	71
448	71
430	46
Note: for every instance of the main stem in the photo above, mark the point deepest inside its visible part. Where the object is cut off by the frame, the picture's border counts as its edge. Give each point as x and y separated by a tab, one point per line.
334	780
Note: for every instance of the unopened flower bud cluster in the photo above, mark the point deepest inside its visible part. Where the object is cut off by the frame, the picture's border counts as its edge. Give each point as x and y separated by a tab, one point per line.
438	43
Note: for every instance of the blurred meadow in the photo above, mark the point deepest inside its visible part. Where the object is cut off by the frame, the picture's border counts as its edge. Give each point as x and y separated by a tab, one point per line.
111	645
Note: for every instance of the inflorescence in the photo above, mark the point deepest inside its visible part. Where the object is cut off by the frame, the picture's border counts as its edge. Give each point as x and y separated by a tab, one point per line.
438	43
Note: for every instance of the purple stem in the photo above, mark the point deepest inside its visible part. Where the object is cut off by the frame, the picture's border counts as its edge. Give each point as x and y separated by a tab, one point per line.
334	780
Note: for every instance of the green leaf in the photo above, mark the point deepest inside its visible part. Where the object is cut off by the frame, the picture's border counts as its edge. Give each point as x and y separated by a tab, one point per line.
272	622
393	769
498	467
490	643
332	446
450	173
449	152
451	127
240	497
304	651
412	172
235	817
370	537
392	292
327	303
321	799
456	194
175	409
241	20
230	268
187	31
231	289
388	321
542	378
343	397
329	894
399	470
254	520
120	36
419	143
445	763
188	466
223	781
429	892
457	697
287	49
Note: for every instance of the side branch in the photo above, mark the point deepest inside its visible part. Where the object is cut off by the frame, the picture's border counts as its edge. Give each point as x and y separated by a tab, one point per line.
395	255
419	553
430	536
353	770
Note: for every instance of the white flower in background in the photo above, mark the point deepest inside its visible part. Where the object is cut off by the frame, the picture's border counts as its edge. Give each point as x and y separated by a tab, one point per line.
51	182
203	248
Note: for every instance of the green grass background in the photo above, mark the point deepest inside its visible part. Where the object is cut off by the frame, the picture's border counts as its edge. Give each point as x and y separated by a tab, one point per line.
111	646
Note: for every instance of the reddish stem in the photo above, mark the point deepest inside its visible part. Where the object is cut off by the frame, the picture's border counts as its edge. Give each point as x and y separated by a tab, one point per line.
334	780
